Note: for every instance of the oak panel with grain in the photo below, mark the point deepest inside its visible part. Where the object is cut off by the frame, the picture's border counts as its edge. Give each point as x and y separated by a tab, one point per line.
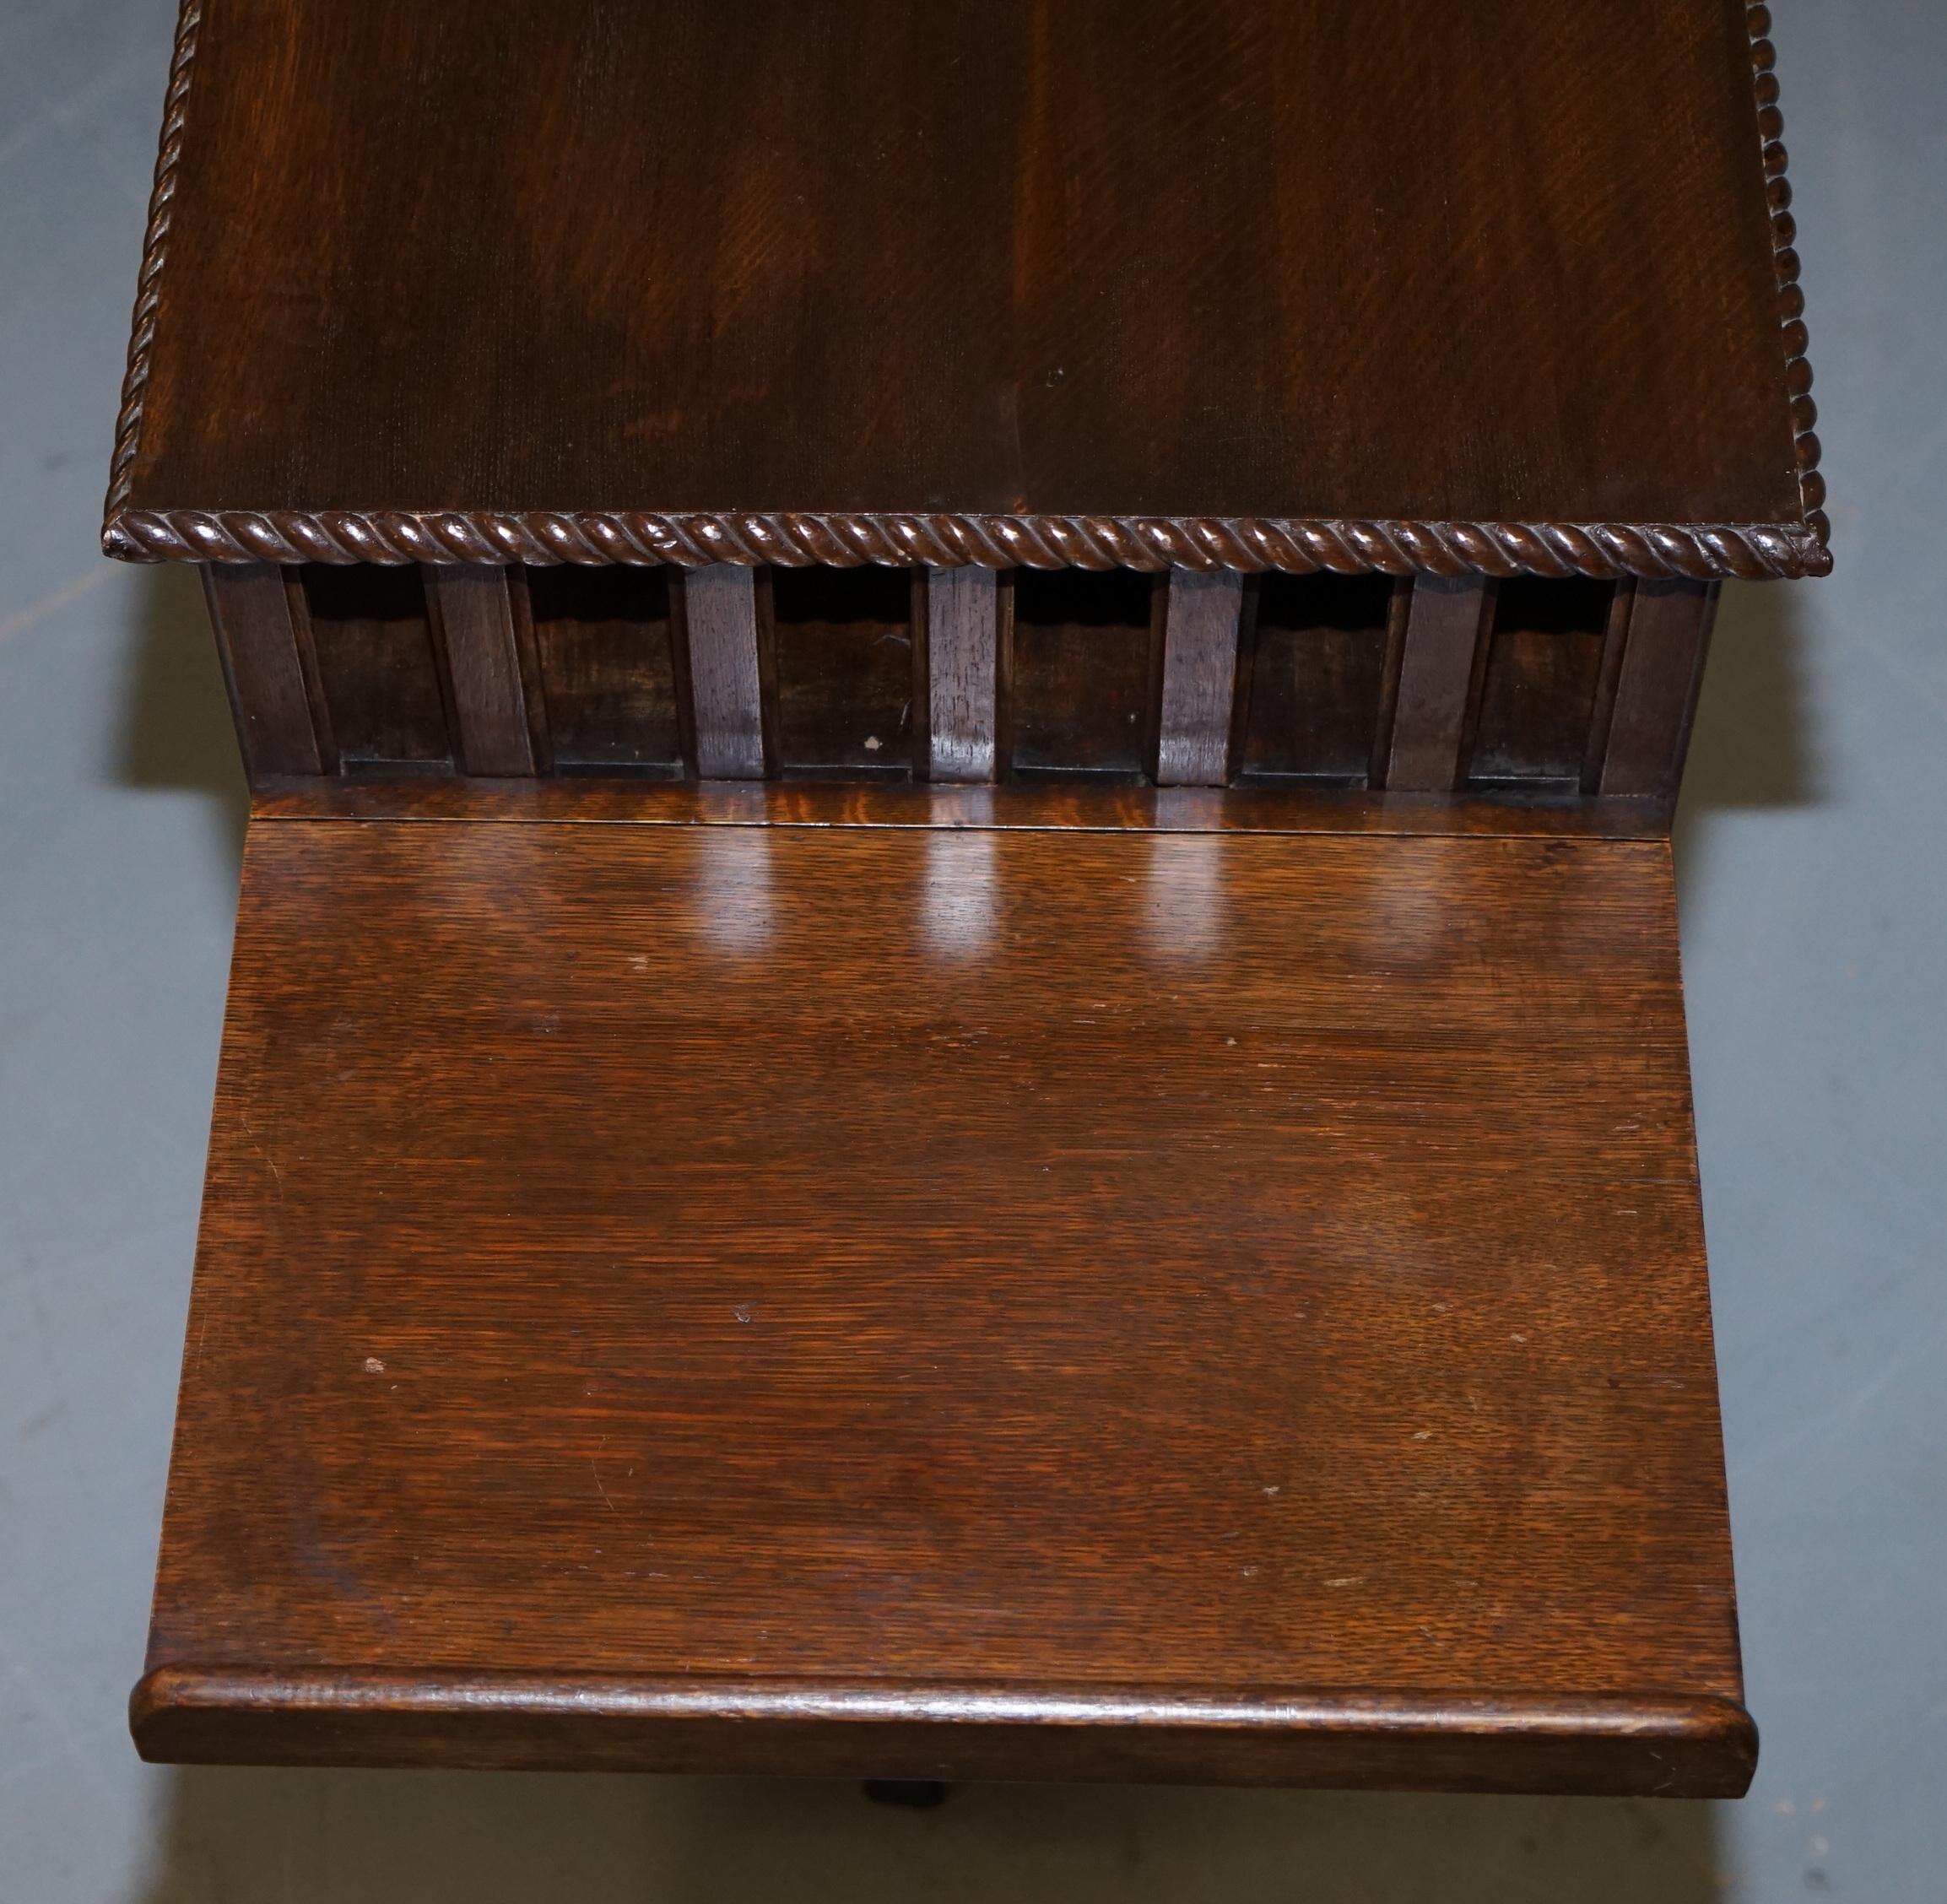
929	1302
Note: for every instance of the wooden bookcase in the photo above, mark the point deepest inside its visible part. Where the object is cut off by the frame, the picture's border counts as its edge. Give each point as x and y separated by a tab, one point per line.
956	1047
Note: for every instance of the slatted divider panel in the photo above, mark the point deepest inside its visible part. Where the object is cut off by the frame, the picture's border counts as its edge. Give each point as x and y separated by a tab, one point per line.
1528	687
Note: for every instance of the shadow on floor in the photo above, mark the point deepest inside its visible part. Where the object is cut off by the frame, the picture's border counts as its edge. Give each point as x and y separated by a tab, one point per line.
176	731
1754	744
343	1837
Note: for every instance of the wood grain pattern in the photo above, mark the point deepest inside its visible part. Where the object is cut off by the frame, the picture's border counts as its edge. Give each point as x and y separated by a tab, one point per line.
251	616
1656	691
1445	627
473	624
963	630
1124	1304
1048	314
720	614
1199	677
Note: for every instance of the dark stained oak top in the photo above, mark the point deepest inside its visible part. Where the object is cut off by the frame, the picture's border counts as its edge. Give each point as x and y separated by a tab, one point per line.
1295	282
953	1302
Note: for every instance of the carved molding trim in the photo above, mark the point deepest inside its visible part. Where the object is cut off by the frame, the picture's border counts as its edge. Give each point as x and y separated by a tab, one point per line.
1790	298
147	288
1753	551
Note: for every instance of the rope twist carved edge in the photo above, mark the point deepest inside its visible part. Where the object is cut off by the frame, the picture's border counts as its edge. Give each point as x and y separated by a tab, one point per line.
1754	552
155	238
1785	261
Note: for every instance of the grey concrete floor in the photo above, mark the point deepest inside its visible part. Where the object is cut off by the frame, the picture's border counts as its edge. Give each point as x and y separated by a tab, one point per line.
1814	914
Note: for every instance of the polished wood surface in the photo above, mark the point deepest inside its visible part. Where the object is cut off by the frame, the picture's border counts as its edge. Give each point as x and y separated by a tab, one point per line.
919	1301
1416	264
1093	803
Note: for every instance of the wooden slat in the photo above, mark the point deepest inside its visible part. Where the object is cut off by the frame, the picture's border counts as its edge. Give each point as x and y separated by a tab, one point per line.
1615	639
533	683
251	614
720	604
1649	731
1398	610
1199	677
962	638
297	602
474	626
1444	624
